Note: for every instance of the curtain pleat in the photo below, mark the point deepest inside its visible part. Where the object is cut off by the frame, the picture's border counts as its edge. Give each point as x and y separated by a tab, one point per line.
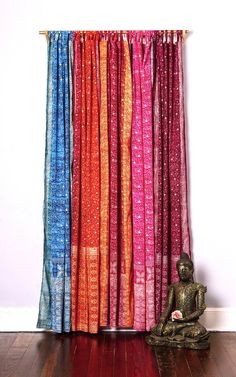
104	182
94	183
138	194
82	322
147	120
113	101
174	159
76	179
116	143
125	260
185	232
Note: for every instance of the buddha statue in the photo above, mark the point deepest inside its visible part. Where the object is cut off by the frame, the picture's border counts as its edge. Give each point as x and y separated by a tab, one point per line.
178	325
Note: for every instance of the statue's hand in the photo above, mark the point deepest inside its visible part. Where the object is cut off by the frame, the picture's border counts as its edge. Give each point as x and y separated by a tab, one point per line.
157	330
180	320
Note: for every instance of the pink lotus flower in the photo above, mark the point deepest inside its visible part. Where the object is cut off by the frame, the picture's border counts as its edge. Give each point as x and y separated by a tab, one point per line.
176	315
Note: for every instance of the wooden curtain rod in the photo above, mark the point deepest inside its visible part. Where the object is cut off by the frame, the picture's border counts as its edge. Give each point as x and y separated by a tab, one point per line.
45	32
185	32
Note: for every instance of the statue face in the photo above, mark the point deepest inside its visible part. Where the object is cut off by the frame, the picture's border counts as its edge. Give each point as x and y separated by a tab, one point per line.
185	271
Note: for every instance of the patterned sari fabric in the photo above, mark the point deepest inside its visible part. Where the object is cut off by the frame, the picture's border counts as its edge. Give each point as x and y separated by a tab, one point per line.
142	187
55	300
122	220
113	105
170	182
85	188
125	287
104	182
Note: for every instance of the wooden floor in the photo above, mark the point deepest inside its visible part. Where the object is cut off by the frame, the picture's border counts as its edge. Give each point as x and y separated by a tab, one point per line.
111	354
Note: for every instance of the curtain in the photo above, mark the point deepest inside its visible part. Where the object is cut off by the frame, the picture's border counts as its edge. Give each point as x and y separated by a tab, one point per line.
142	185
170	177
115	211
55	299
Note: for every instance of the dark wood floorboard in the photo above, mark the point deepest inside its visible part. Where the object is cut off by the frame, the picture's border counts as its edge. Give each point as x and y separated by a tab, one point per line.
16	348
181	364
64	356
135	356
95	360
221	356
46	348
166	361
6	340
111	355
150	361
29	342
81	354
108	356
120	361
229	343
208	364
194	363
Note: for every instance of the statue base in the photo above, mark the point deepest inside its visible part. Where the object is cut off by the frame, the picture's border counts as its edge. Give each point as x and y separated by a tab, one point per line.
178	341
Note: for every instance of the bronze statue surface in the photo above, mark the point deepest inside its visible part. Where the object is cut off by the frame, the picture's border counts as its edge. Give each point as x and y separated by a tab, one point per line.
178	325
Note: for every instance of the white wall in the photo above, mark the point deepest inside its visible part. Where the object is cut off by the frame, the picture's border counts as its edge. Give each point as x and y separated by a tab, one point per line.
210	97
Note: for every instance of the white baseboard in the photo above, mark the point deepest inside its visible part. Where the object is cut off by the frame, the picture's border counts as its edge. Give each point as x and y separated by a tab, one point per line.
25	319
219	319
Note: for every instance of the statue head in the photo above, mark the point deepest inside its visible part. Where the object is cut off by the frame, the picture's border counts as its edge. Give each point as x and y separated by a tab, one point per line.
185	267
